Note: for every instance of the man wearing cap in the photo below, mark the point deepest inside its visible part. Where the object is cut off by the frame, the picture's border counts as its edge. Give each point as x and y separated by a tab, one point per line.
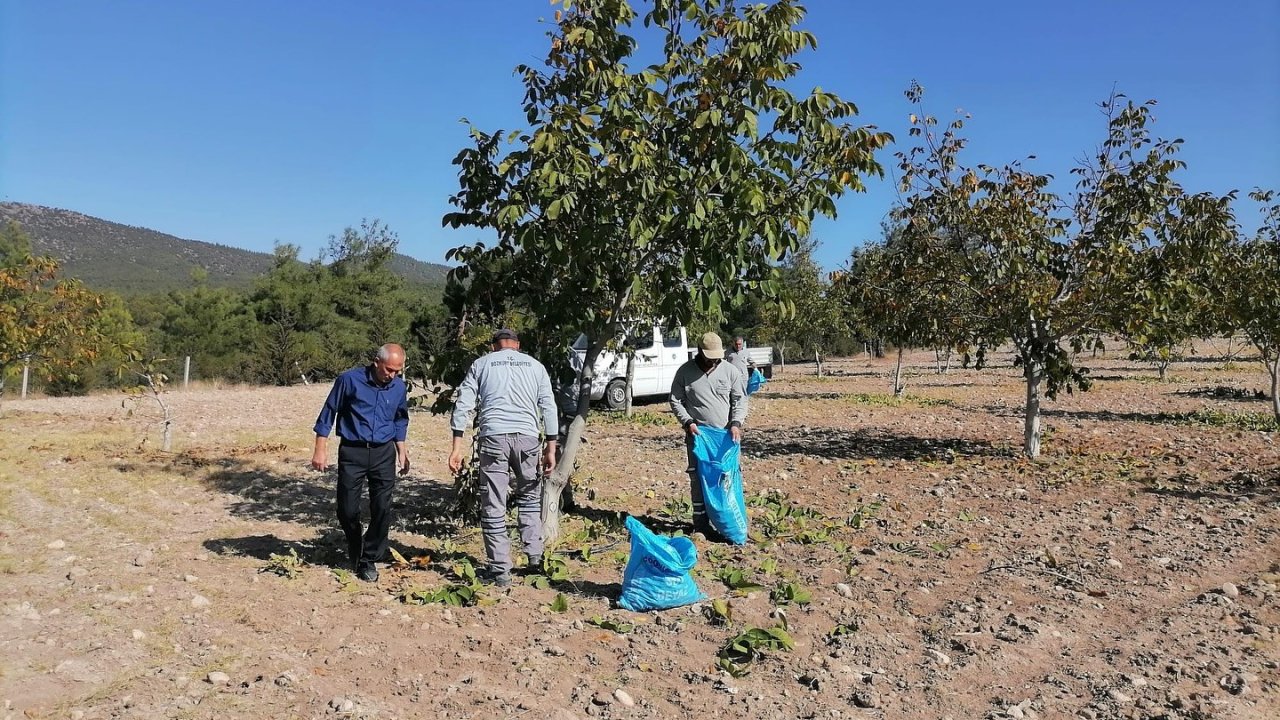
370	407
512	393
737	357
707	391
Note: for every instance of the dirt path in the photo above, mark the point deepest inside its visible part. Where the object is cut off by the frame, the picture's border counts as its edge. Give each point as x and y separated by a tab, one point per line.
1130	573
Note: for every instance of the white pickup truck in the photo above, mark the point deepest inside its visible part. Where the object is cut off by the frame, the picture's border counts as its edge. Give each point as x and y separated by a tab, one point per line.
659	352
761	358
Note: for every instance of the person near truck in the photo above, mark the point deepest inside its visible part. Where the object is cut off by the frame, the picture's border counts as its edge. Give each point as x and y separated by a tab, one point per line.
707	391
369	406
511	393
737	357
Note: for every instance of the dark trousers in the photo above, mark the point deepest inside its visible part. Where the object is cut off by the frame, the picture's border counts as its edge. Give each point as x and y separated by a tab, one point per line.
695	486
356	465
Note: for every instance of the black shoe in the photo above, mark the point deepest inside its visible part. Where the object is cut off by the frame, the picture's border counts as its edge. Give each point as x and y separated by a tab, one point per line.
535	564
498	578
368	573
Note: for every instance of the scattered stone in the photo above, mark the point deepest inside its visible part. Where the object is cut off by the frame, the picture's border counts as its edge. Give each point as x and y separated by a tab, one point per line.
1115	563
1119	696
347	706
286	679
189	578
199	601
142	558
844	590
623	698
938	656
138	634
56	545
1230	590
555	651
217	678
1234	684
866	699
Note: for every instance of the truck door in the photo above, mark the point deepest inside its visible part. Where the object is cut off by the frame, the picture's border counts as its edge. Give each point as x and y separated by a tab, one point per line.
648	362
674	354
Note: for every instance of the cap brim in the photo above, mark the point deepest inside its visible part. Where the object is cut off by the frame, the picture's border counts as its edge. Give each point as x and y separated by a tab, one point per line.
713	354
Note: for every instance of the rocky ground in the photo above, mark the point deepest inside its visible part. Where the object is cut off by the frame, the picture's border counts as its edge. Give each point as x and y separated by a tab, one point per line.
909	562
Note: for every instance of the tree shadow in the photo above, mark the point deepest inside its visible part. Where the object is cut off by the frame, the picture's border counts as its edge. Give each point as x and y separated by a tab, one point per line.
590	589
419	506
842	372
617	519
1224	392
797	395
262	547
1260	486
863	443
1152	418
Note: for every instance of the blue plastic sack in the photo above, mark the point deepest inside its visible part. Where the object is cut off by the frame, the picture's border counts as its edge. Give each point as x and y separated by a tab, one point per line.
657	575
721	477
755	381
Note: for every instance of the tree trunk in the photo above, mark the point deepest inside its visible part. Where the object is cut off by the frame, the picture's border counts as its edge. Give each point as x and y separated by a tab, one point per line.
631	376
946	361
879	348
1031	425
559	477
782	357
1273	367
1163	366
898	384
817	360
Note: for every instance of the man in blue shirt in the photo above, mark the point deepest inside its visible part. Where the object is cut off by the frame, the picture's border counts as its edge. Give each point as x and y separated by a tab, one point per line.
370	407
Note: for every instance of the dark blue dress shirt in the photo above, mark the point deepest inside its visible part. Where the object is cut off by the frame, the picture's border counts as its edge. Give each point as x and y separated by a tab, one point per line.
364	410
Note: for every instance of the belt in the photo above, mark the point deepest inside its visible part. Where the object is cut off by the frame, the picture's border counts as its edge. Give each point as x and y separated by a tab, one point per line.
363	444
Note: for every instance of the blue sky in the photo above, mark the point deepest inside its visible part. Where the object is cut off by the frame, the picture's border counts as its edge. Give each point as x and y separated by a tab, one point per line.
246	123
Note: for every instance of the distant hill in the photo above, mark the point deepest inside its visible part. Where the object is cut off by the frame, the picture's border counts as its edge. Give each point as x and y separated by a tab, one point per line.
127	259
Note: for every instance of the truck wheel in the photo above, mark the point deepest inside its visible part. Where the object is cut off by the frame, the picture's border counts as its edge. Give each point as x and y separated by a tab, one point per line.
615	394
767	371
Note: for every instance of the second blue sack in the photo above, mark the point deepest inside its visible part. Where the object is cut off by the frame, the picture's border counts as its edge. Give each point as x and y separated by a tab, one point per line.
755	381
720	474
657	575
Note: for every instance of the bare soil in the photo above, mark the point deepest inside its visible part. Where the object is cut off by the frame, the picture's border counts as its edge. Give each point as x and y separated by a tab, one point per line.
1131	572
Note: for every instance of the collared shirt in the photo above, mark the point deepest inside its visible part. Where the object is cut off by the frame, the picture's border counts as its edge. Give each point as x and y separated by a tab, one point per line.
738	359
513	391
717	398
365	411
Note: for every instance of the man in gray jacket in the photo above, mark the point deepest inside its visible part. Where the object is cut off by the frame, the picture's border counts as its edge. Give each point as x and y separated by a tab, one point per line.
707	391
737	357
516	410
